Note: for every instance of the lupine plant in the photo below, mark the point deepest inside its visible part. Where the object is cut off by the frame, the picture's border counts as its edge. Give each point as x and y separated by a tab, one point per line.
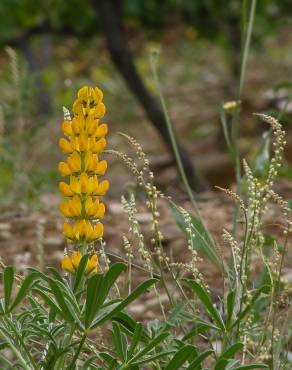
78	318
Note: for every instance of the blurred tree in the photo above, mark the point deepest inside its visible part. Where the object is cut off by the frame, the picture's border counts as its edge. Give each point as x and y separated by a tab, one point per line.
220	21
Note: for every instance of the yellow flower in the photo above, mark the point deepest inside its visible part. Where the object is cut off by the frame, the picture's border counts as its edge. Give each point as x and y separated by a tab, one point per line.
67	128
65	145
67	264
82	230
72	208
230	105
71	264
92	265
83	142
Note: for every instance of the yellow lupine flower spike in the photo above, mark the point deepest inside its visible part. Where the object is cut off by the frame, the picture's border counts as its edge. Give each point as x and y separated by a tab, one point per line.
83	141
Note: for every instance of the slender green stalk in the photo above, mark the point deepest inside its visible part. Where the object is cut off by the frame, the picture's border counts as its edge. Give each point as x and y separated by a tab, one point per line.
235	118
75	358
172	135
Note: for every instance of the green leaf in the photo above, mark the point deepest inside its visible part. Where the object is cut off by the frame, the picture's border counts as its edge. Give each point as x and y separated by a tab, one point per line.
55	308
129	325
149	359
62	302
26	285
98	289
248	306
140	289
79	275
228	354
120	342
153	343
203	242
111	276
181	357
88	363
93	298
230	306
109	359
135	339
200	328
8	279
205	299
195	364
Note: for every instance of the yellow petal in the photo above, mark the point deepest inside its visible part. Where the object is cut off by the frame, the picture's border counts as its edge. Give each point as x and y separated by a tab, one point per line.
67	264
88	205
67	128
91	125
65	189
74	162
65	145
98	94
77	108
75	185
101	130
83	93
83	142
92	264
97	231
99	111
68	231
64	169
100	168
99	146
74	206
102	188
75	258
100	211
65	209
76	126
84	183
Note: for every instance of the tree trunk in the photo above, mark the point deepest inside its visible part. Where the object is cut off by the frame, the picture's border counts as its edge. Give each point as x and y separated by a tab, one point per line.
110	13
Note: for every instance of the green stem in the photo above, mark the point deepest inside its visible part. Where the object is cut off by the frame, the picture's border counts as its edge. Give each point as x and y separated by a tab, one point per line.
235	118
75	358
172	137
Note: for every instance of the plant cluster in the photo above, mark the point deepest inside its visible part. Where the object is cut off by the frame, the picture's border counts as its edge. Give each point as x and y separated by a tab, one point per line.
79	319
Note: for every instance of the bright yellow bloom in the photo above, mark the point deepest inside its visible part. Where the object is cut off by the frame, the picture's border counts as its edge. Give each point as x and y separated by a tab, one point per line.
72	208
230	105
82	230
83	142
71	264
